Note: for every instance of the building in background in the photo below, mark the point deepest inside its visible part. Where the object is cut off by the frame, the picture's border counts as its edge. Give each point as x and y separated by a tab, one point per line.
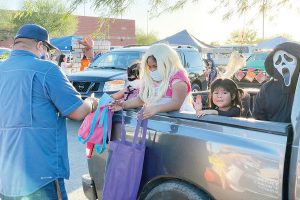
120	32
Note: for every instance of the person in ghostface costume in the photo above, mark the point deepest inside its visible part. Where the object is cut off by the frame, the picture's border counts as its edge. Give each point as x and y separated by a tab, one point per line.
275	99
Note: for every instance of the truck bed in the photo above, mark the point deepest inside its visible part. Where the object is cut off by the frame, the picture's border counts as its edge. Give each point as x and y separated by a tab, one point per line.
227	158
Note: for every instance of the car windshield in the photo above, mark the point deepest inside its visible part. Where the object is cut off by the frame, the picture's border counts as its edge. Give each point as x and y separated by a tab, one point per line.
258	56
116	60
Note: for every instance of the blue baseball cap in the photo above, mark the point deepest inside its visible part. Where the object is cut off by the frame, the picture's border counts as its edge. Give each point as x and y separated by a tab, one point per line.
35	32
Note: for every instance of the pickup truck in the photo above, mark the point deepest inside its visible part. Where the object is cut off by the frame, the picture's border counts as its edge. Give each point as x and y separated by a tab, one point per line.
211	157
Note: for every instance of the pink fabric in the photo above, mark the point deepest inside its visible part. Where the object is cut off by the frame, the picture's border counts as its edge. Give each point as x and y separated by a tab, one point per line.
180	75
85	127
89	149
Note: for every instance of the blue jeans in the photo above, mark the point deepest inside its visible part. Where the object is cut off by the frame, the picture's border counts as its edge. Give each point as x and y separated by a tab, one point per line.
50	191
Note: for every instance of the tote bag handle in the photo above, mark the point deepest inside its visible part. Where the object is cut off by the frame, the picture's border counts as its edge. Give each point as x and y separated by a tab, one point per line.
137	129
102	104
93	125
140	121
106	122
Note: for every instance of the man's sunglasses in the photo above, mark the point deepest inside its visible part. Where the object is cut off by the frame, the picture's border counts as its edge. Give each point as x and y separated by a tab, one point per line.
44	44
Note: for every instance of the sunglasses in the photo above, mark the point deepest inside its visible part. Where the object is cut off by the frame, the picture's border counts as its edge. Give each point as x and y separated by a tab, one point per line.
44	45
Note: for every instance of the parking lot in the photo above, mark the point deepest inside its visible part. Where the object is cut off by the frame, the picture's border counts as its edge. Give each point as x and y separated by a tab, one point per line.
78	163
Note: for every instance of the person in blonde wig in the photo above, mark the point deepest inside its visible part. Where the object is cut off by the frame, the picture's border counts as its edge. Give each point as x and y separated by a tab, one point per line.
165	84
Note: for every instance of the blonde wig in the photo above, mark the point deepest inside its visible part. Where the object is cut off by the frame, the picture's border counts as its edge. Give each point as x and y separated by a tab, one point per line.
168	63
236	62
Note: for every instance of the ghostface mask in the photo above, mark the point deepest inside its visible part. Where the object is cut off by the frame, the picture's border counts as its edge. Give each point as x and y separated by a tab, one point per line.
285	64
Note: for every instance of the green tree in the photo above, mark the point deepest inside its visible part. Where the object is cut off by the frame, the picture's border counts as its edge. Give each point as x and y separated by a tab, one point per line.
142	38
246	36
232	7
251	9
215	43
103	28
240	7
51	14
6	25
117	7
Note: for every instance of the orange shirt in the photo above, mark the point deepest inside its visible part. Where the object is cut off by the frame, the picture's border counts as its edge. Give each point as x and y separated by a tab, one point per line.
84	63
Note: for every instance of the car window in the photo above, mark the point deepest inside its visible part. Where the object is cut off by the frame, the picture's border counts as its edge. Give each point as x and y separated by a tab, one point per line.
193	59
251	58
181	58
258	56
262	56
116	59
241	49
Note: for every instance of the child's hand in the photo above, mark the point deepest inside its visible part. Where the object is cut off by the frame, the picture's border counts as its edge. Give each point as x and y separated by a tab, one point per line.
149	111
201	113
198	104
116	105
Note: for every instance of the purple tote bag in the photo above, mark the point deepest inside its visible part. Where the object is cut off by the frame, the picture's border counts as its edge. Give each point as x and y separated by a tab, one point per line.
125	165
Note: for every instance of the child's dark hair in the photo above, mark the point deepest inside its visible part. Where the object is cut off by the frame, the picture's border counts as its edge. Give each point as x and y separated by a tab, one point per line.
230	86
133	72
61	59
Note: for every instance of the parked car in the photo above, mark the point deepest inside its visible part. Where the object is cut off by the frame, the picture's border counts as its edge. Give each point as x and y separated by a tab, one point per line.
253	74
108	72
212	157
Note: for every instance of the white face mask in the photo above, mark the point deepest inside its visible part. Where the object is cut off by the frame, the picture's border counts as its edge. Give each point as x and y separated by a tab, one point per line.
285	64
134	84
155	75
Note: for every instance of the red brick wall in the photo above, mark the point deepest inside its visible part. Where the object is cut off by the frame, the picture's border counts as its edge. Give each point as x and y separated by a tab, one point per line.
121	32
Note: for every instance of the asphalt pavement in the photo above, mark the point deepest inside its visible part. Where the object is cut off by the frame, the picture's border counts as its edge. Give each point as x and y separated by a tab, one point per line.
78	162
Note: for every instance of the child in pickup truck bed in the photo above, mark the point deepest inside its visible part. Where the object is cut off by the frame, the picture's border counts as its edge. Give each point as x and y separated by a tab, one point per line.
132	89
224	99
165	84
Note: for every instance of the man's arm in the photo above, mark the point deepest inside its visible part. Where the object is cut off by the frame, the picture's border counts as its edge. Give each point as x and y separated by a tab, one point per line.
89	105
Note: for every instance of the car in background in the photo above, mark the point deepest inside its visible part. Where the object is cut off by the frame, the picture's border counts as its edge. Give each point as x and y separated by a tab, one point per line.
4	53
253	74
107	73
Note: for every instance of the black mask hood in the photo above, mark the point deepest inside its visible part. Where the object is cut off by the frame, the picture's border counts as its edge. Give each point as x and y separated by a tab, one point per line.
291	48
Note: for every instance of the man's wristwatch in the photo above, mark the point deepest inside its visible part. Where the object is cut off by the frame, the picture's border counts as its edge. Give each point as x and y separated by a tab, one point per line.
92	104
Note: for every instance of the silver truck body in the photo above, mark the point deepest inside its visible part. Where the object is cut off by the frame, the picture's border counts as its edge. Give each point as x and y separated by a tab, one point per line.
226	158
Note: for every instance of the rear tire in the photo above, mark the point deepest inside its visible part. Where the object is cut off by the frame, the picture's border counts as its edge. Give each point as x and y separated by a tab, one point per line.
175	190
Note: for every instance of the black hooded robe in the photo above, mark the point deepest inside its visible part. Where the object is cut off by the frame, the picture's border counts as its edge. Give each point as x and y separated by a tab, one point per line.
275	100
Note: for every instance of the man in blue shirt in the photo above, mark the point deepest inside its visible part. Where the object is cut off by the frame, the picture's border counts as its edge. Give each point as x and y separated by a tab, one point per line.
35	99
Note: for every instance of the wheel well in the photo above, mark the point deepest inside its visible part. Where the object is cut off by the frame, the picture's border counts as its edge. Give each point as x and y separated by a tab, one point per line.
154	182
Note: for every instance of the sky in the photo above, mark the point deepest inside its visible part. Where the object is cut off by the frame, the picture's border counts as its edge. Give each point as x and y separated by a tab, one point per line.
197	20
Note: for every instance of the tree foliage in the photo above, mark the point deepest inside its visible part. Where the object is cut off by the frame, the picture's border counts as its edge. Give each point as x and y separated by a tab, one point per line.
143	39
157	7
51	14
103	28
247	36
117	7
240	8
6	26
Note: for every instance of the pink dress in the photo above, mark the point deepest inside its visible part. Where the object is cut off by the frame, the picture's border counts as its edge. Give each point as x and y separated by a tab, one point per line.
187	105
